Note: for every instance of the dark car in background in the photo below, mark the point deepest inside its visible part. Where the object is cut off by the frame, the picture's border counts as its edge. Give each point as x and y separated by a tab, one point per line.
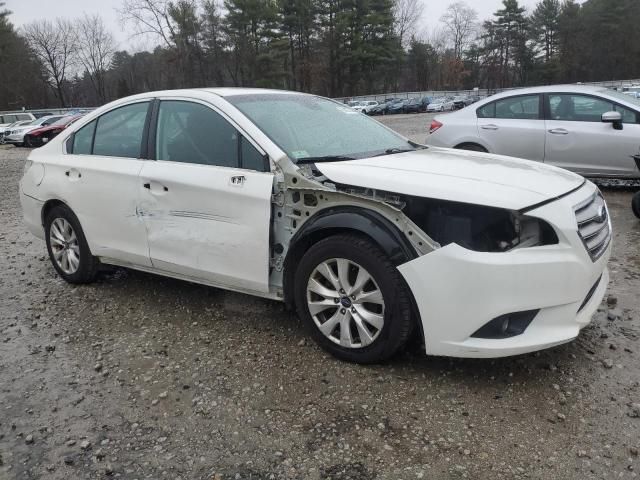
396	107
40	136
414	105
382	108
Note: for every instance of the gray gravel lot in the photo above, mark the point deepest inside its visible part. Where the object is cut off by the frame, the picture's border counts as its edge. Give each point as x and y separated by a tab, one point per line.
138	377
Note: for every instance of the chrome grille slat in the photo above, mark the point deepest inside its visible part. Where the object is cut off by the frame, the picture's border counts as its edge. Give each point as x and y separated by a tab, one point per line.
594	225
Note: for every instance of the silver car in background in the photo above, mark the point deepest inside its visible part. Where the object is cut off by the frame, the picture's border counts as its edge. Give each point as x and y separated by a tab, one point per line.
589	130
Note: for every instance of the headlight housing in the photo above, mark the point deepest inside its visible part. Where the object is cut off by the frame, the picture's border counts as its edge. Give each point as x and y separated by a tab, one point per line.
477	227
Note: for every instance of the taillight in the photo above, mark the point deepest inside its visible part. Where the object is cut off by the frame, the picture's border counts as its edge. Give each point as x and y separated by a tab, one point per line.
435	125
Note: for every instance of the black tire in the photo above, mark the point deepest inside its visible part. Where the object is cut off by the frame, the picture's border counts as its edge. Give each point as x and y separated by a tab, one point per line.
398	322
473	147
88	266
635	204
27	142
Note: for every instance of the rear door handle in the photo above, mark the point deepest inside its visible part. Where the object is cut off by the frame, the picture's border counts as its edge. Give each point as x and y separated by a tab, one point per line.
490	126
559	131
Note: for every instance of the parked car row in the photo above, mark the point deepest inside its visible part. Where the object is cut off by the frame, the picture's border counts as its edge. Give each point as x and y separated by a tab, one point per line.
36	132
392	106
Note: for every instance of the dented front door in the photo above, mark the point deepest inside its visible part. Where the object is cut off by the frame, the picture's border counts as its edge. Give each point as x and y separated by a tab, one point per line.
208	222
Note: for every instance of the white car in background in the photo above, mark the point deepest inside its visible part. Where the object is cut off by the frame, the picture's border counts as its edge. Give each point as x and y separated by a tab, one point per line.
366	106
8	128
441	104
16	135
370	236
9	118
593	131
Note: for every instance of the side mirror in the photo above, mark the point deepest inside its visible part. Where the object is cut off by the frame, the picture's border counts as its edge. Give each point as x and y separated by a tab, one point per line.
615	118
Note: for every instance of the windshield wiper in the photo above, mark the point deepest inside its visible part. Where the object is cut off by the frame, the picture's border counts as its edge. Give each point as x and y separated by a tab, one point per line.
390	151
325	158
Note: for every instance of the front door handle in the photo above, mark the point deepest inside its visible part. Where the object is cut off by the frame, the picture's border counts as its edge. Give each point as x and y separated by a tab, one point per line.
490	126
238	180
559	131
155	190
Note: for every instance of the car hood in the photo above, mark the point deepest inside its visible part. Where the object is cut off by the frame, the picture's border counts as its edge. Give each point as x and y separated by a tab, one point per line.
456	175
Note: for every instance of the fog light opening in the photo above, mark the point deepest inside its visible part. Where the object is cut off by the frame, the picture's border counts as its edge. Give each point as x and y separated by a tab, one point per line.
506	326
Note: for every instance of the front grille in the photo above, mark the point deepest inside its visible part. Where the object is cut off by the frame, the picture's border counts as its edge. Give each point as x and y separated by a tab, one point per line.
594	225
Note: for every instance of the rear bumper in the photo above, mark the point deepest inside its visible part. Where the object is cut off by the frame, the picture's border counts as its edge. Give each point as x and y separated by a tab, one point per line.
457	291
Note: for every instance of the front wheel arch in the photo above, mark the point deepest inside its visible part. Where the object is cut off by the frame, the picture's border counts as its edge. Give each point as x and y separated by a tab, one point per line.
353	220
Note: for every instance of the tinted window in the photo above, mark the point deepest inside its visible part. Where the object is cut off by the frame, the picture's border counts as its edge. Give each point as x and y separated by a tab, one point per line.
23	116
9	118
82	139
193	133
119	132
487	111
524	107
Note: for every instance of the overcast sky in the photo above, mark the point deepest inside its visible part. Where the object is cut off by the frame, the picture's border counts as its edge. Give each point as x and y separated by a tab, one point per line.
25	11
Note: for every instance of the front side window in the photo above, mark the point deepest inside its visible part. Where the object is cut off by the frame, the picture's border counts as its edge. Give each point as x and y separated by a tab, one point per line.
577	108
310	127
119	132
190	132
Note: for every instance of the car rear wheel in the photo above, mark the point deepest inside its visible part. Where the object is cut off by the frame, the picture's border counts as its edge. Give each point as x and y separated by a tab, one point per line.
67	246
353	299
635	204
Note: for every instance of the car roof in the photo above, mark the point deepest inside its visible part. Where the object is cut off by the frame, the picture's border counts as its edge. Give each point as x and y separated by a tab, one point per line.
570	88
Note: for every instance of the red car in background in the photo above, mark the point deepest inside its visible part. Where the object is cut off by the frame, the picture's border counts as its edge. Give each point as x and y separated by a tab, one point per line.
40	136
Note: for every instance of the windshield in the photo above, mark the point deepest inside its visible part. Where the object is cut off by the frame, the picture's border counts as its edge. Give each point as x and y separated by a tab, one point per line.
622	96
62	121
306	126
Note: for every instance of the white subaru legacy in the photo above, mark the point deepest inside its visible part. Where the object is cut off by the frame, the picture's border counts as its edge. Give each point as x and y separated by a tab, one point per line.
297	198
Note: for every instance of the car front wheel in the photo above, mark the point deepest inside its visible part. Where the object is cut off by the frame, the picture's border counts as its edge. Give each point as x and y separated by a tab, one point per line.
67	246
353	299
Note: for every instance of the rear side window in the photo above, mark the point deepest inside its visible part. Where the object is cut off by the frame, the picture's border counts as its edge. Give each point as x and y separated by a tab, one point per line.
82	139
487	111
119	132
9	118
521	107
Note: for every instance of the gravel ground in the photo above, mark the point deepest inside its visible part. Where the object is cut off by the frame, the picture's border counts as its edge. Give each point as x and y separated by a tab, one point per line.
138	377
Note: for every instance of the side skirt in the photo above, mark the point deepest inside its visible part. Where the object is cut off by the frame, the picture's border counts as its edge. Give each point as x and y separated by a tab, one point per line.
271	295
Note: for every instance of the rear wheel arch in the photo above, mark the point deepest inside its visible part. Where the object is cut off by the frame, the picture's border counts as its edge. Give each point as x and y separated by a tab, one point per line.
49	205
472	146
357	221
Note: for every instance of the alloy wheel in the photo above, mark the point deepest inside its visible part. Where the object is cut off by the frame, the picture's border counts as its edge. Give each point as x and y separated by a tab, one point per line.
345	303
64	246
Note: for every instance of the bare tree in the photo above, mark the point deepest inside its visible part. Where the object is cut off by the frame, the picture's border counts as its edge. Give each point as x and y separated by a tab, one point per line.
460	22
95	47
54	44
406	14
150	17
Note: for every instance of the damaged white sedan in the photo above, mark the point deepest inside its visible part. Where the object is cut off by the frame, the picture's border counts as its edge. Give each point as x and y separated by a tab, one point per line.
297	198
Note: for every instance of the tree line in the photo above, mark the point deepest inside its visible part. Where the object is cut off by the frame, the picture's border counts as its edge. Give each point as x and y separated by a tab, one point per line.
334	48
